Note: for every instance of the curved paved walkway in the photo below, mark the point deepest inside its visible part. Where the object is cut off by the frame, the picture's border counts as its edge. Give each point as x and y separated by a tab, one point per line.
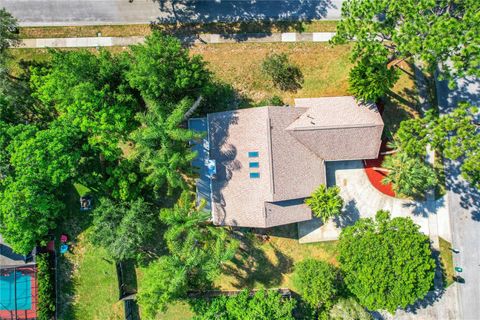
363	200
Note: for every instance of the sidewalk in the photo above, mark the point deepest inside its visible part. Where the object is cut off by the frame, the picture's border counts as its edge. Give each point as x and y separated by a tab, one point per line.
200	39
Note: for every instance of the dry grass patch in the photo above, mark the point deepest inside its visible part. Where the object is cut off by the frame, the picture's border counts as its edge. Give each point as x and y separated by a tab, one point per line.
85	31
188	28
325	68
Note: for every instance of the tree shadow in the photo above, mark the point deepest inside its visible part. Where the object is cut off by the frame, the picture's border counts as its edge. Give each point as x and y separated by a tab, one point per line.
185	11
219	97
232	19
467	90
349	216
425	208
469	197
251	265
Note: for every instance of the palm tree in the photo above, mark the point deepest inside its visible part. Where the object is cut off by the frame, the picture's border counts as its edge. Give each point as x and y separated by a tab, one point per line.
325	202
162	147
409	176
190	237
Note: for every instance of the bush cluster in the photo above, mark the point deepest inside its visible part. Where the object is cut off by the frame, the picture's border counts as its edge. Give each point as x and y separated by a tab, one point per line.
46	287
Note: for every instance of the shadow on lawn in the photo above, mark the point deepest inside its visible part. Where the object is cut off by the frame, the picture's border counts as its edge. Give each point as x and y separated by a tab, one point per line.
73	224
252	265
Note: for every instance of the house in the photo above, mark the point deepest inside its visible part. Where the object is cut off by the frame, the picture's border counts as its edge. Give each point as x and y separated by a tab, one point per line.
258	165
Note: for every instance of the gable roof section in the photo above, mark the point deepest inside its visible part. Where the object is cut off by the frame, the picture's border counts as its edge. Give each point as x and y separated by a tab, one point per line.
296	169
238	199
338	128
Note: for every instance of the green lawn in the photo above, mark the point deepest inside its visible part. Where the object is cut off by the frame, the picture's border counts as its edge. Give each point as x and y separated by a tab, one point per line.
446	258
88	287
401	103
262	264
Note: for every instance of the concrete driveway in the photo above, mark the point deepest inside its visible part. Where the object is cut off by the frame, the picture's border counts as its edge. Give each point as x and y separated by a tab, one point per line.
97	12
362	200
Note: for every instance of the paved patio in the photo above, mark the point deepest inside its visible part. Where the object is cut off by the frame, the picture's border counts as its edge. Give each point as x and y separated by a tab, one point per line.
363	200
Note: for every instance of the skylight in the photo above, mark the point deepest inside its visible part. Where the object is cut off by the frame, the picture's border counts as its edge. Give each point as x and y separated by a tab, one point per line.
253	165
254	175
253	154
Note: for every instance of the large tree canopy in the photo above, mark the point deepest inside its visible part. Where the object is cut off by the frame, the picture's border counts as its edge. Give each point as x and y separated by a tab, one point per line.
317	282
90	92
455	133
385	32
387	263
163	71
27	212
126	230
432	30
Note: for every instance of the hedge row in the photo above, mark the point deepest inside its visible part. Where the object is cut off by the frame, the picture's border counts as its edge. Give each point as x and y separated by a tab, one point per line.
46	288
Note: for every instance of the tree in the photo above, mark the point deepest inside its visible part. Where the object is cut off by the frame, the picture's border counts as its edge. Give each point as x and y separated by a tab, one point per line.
387	263
285	75
8	33
127	230
455	133
202	247
162	149
165	280
50	155
409	176
325	202
431	31
90	92
263	305
349	309
197	252
370	80
164	72
317	282
28	211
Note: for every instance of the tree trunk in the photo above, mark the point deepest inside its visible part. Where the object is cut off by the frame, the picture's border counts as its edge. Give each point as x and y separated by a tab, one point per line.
193	108
381	169
384	153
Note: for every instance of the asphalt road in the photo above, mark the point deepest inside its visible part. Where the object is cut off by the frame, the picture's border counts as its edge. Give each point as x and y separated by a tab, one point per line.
464	206
97	12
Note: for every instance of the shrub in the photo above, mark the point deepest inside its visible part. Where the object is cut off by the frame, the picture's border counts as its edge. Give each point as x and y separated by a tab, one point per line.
317	282
46	288
325	202
262	305
273	101
349	309
387	263
285	76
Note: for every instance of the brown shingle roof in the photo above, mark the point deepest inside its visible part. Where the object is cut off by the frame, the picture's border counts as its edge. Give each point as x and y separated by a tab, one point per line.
292	144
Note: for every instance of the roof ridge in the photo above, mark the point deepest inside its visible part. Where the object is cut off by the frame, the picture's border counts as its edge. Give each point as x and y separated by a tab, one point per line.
342	126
